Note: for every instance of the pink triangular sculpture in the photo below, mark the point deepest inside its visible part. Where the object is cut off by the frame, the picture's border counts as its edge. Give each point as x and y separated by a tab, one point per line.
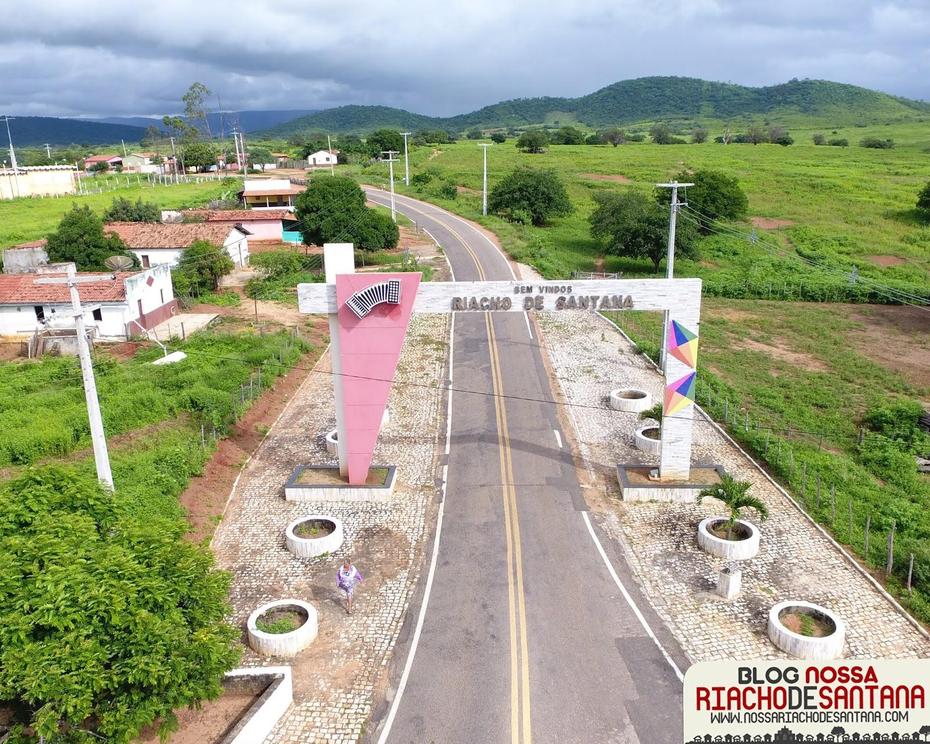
369	348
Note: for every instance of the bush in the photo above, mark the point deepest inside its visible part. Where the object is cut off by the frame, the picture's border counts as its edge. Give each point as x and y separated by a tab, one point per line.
276	264
123	210
923	199
474	134
498	138
876	143
421	179
530	195
80	238
123	624
568	136
533	140
715	195
698	136
447	190
367	229
839	142
323	198
819	138
200	268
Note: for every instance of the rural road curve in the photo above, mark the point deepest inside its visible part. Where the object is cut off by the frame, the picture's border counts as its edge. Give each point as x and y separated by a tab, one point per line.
526	635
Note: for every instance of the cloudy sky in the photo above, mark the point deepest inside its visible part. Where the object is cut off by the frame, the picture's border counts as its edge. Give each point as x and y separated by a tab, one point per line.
110	57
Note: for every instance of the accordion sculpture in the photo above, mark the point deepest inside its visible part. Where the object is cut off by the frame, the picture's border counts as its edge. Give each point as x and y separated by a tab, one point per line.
363	302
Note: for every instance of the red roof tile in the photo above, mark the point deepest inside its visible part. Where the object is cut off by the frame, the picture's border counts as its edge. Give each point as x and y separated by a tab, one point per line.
21	289
168	235
241	215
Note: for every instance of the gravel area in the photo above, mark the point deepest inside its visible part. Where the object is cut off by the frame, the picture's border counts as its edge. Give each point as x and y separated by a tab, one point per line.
336	677
589	357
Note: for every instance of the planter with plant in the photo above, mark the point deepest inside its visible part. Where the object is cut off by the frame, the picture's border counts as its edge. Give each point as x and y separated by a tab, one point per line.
282	628
648	437
806	630
314	535
731	537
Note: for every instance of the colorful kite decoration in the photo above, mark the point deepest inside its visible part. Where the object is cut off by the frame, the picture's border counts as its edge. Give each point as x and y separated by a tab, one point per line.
679	394
682	344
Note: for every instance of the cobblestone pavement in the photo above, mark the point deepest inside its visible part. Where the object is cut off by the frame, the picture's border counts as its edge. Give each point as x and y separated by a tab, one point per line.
590	357
334	679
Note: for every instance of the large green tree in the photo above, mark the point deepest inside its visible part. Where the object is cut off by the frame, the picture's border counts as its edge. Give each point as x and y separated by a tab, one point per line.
923	199
200	268
323	198
80	238
714	196
568	135
367	229
109	621
533	140
530	195
199	155
383	140
631	224
123	210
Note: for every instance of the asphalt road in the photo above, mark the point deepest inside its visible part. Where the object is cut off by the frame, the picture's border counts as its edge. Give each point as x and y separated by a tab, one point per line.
527	636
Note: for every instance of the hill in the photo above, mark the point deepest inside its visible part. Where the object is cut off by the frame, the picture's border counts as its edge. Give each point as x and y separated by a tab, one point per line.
28	131
248	121
641	100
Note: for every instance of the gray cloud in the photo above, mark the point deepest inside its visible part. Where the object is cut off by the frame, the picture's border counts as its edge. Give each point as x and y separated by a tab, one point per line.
101	57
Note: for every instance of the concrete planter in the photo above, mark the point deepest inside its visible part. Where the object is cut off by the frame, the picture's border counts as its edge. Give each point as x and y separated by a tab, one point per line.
630	399
300	486
276	693
821	648
310	547
283	644
731	550
647	444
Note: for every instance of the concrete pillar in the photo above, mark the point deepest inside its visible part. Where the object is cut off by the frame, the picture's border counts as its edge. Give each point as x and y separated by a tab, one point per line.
729	582
338	258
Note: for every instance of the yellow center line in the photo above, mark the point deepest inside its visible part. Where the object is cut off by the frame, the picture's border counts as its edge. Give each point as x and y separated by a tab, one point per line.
514	551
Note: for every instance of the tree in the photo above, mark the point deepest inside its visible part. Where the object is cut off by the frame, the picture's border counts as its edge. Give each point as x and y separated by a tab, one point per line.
498	138
595	138
819	138
123	210
322	198
474	134
698	135
877	143
152	137
532	195
367	229
533	140
199	155
736	497
259	156
194	108
177	127
101	166
123	624
201	267
568	136
615	136
756	135
837	732
714	196
923	199
383	140
80	238
633	225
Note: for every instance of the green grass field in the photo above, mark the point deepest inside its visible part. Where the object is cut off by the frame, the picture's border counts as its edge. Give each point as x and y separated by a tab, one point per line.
30	219
844	207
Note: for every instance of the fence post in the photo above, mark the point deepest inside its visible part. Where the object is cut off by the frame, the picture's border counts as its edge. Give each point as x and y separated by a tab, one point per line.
203	439
850	519
183	334
818	491
832	504
868	531
746	422
889	562
726	411
910	573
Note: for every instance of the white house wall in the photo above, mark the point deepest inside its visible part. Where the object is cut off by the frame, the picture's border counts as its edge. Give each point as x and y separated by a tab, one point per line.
158	256
237	246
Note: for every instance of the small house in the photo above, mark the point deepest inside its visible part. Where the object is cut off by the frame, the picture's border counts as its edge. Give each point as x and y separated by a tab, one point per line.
93	161
118	306
142	162
261	224
157	243
269	193
322	159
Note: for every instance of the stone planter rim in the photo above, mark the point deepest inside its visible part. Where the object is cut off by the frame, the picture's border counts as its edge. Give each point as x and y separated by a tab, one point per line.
706	523
839	627
290	533
641	430
308	609
623	392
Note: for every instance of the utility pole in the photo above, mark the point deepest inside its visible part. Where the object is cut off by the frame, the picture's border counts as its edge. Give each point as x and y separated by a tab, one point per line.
670	258
48	151
391	161
235	135
174	157
123	142
97	435
329	146
245	155
406	160
13	156
484	181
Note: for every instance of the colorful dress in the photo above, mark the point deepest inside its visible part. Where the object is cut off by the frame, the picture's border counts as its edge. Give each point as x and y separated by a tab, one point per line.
346	579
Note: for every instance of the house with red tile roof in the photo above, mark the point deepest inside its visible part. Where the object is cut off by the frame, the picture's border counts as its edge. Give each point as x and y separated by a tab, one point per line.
262	224
111	160
118	306
164	242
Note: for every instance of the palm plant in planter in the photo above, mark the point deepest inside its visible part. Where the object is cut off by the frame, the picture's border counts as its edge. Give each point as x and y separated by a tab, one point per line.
736	497
653	414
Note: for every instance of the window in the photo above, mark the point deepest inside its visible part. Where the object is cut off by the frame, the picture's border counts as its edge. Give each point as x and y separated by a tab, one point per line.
98	314
161	293
145	262
40	312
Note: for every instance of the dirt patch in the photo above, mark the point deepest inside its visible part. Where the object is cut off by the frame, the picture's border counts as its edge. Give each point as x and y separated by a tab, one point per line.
806	624
467	191
330	477
126	349
886	261
613	178
205	496
206	725
770	223
894	336
794	358
435	153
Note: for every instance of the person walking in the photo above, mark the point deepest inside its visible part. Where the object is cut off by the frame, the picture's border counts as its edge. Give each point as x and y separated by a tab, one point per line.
346	579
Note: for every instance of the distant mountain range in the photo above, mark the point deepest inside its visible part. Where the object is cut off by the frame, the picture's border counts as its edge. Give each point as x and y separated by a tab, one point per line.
30	131
813	102
645	99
